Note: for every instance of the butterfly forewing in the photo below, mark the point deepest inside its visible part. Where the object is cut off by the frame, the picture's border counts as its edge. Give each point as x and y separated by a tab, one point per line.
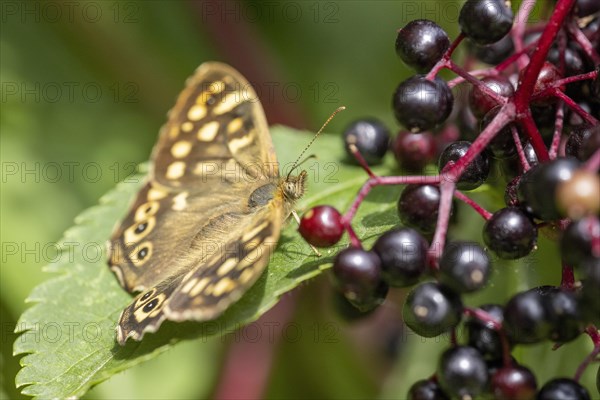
216	131
200	232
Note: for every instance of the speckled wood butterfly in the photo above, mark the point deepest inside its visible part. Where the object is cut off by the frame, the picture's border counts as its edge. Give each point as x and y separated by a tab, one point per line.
201	230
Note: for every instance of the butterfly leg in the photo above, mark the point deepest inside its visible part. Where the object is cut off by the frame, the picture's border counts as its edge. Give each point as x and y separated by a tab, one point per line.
297	218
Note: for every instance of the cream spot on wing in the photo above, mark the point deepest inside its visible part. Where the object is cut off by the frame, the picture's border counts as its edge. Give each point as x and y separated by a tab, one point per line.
208	132
196	112
187	126
216	87
180	201
223	286
156	194
189	285
236	144
227	266
228	103
196	290
175	170
251	234
235	125
181	149
246	275
174	132
146	209
251	258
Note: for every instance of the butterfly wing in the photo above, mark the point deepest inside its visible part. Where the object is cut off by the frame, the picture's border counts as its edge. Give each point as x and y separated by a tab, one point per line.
213	151
204	289
200	232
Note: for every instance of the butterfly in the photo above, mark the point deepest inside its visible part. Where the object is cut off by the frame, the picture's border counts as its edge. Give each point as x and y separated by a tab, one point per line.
200	231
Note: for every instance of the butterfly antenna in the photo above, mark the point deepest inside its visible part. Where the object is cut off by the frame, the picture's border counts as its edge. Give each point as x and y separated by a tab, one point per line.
342	108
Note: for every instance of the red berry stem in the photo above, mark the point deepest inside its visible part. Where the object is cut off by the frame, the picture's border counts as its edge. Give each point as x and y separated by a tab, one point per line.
385	180
473	204
445	60
592	332
528	126
361	160
583	41
503	117
520	151
575	78
574	106
354	240
518	31
558	128
568	278
475	82
524	91
439	238
488	319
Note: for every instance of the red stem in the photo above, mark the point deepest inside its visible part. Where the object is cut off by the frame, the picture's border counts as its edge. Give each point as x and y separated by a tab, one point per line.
439	238
568	278
522	159
443	62
592	332
473	204
494	324
524	92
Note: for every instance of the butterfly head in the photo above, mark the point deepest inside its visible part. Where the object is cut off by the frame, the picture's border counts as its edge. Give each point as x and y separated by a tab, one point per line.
292	187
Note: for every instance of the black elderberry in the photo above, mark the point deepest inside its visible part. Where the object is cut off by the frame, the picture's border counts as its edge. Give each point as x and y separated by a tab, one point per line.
563	389
358	276
526	319
403	254
426	389
420	104
431	309
421	44
371	138
418	207
510	233
464	267
576	241
564	314
462	372
485	21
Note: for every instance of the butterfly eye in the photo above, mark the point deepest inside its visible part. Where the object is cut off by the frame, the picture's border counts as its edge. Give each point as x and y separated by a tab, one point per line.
150	306
211	100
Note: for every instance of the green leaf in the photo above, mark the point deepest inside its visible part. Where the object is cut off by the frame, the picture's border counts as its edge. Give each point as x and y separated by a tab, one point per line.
68	335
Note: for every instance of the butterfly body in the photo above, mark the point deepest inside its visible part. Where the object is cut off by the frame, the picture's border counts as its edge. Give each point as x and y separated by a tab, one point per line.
201	230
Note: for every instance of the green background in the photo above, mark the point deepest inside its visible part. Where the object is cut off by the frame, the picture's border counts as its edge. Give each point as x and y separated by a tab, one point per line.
85	88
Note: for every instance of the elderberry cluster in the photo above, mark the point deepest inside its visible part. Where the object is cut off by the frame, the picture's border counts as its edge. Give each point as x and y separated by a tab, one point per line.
529	116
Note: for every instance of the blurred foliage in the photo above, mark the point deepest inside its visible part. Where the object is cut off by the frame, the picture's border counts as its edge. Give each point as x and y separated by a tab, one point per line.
85	88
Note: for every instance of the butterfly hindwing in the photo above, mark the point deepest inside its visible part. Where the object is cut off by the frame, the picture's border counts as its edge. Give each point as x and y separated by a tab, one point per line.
212	286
